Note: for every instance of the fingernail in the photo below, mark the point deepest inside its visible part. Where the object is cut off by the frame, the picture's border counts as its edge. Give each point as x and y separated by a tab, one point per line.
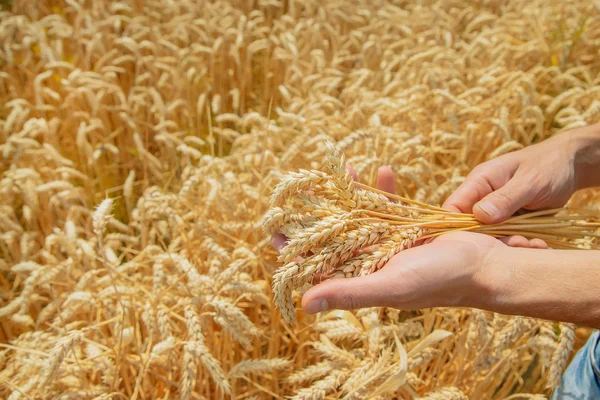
317	305
488	208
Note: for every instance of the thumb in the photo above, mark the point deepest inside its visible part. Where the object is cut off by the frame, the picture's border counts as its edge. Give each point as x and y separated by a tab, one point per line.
347	294
504	202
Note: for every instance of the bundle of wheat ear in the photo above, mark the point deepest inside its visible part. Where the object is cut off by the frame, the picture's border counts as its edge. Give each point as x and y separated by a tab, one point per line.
337	227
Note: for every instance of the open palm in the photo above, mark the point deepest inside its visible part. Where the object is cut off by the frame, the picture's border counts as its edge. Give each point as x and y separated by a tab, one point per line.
436	274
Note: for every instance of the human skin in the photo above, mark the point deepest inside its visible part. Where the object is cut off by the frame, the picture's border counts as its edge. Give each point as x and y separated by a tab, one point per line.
541	176
511	276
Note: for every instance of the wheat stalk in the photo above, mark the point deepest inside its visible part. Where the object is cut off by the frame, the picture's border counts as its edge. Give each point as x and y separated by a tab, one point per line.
58	354
561	355
101	216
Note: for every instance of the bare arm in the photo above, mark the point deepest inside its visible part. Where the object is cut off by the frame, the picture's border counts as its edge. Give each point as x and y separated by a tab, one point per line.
464	269
562	285
585	144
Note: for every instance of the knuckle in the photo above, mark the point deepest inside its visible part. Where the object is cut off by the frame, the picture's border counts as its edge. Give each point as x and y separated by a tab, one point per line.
543	188
348	301
503	199
544	194
478	171
482	184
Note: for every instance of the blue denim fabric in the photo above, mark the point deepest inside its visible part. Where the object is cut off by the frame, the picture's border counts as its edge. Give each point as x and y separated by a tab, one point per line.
581	380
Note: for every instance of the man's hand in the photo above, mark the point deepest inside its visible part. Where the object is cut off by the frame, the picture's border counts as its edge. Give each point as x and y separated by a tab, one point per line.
450	271
544	175
467	269
540	176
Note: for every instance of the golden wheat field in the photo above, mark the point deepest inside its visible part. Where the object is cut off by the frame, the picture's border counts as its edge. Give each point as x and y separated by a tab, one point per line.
141	142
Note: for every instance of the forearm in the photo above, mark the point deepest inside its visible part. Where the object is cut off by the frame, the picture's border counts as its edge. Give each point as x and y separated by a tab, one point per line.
562	285
584	144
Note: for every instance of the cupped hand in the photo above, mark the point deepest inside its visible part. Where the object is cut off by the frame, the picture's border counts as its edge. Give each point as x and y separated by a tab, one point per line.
453	270
536	177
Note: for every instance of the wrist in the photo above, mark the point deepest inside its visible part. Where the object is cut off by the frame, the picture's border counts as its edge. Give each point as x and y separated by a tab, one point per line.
493	282
556	285
583	145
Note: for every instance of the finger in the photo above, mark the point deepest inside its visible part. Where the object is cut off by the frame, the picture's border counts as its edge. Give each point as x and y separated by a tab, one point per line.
279	241
483	180
516	241
352	172
468	193
348	294
504	202
538	244
385	180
